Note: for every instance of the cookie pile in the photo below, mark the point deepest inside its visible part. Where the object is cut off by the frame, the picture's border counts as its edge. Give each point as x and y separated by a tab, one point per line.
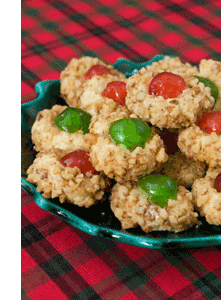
153	140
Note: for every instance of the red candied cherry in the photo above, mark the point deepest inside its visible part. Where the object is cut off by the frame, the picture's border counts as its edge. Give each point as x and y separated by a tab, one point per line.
98	70
170	141
217	183
78	159
167	85
116	90
211	122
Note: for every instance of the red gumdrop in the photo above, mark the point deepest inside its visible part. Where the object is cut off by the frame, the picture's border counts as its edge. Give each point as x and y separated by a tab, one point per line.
116	90
211	122
217	183
98	70
78	159
167	85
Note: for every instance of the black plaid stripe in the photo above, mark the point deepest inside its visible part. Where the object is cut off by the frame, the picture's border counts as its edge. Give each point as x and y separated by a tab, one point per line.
209	285
132	276
56	266
191	268
99	245
35	45
216	56
150	290
173	256
117	45
52	26
196	20
189	292
38	49
87	293
129	273
91	27
53	263
173	28
98	31
28	75
168	26
58	269
29	235
103	34
41	251
24	221
49	224
24	296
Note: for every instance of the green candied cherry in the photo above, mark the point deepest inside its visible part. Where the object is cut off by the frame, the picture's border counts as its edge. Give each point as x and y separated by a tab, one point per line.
130	133
211	85
73	119
158	188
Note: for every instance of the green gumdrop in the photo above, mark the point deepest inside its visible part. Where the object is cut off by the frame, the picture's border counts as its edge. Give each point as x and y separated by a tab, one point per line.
73	119
85	120
158	189
131	133
211	85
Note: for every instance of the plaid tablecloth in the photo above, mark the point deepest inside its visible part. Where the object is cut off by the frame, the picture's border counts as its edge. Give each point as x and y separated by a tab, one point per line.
58	260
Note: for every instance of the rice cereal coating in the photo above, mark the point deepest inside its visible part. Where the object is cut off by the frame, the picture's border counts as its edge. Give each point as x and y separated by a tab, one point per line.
198	145
206	198
183	170
72	78
45	134
178	112
170	64
211	69
123	165
69	184
92	100
131	208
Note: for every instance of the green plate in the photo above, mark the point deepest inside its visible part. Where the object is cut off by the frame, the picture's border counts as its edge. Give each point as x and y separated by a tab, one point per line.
99	220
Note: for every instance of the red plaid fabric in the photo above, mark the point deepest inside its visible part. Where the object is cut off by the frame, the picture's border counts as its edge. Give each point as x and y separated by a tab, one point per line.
58	260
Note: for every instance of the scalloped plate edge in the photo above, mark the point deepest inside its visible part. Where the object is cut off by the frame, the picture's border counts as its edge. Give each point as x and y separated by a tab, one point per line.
109	233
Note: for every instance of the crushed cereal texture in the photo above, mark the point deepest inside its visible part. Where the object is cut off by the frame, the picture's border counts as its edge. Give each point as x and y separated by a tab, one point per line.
206	198
69	184
211	69
131	208
72	78
119	164
100	123
45	134
179	112
92	99
171	64
183	170
198	145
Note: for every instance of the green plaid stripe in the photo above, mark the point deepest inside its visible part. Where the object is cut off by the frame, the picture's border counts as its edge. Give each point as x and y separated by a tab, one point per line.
135	276
104	33
209	285
124	49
